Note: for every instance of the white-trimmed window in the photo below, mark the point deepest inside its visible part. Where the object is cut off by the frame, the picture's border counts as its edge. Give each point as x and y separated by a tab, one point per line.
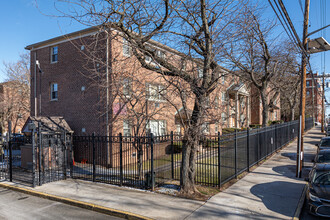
53	91
200	72
223	79
54	54
206	127
223	117
184	65
242	102
178	129
216	102
148	59
160	54
216	128
155	92
223	96
157	127
126	48
127	87
127	128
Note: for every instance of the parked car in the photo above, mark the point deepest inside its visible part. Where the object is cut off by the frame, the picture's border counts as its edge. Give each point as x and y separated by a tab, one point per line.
327	133
324	143
323	156
318	192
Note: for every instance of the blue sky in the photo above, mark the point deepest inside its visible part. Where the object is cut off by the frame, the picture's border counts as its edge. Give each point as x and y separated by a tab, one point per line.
22	23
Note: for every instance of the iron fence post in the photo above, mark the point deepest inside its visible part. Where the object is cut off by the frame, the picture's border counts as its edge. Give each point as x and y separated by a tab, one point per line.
236	153
33	157
275	138
65	155
40	153
93	144
219	160
248	149
152	162
121	158
10	153
71	156
258	147
172	156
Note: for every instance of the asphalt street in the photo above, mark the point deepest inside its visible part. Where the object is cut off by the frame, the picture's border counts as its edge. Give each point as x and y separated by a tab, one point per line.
16	205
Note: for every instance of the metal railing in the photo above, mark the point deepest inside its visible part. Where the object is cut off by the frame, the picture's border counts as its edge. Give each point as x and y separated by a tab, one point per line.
148	161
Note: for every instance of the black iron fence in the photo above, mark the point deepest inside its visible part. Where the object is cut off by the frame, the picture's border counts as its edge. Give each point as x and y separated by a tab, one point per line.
37	159
148	161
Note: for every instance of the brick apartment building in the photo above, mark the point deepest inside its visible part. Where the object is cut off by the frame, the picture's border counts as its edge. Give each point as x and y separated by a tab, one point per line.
70	80
274	113
314	88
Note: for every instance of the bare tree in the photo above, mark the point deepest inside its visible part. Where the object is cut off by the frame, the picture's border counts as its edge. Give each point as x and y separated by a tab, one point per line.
259	58
193	29
15	96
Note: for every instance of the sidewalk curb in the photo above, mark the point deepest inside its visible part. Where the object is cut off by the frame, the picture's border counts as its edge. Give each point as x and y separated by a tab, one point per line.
300	204
84	205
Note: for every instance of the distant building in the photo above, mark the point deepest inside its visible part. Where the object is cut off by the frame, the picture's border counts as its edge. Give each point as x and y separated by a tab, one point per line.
14	106
314	104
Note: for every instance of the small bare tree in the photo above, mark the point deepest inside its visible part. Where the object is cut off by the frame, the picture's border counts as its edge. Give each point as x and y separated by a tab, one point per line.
15	97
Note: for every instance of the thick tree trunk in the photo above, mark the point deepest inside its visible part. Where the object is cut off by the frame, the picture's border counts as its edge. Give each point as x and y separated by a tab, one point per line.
265	108
292	114
190	145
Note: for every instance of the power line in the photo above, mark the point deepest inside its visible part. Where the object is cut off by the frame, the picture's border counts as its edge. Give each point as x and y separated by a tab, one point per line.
301	7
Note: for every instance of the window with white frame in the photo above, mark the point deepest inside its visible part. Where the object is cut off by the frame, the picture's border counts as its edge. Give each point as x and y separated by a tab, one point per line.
127	128
223	96
148	59
223	79
242	102
54	54
216	102
160	54
157	127
53	91
206	127
126	48
216	128
184	65
155	92
223	117
178	129
200	72
127	87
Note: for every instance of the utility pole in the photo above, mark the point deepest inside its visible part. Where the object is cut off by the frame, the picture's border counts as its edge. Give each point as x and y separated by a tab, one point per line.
300	143
322	117
313	101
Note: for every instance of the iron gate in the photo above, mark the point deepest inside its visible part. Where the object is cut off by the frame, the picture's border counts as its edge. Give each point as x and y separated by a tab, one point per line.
51	157
37	159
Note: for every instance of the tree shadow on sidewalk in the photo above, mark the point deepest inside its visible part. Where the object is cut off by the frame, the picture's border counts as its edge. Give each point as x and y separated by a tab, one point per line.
279	196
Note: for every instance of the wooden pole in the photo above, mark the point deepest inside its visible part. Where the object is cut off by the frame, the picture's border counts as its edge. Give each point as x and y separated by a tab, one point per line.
300	142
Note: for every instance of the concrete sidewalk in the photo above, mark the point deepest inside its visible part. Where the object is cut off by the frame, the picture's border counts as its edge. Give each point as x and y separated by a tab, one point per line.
271	191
